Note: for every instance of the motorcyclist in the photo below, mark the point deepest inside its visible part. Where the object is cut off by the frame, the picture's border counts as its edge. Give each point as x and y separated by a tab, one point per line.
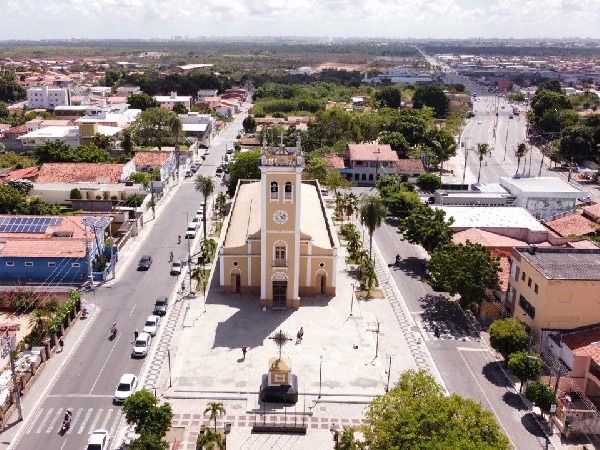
67	419
113	330
170	256
397	260
179	239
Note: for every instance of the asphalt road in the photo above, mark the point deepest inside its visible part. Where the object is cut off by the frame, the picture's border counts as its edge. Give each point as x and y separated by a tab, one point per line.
87	381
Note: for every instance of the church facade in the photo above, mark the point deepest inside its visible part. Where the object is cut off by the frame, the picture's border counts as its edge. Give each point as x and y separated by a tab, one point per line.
278	241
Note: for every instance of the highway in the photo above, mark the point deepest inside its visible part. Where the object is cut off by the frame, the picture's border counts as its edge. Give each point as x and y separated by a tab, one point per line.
86	382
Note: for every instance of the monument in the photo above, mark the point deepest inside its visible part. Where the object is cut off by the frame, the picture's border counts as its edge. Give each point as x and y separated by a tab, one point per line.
279	385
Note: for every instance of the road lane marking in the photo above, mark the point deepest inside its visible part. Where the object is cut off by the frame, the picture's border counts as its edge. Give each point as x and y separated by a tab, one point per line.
46	417
79	396
55	421
113	429
471	349
34	419
85	420
107	418
490	404
96	419
75	419
105	362
133	309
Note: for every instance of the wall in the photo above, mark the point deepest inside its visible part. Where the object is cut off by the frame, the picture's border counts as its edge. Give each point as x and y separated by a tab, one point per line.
40	272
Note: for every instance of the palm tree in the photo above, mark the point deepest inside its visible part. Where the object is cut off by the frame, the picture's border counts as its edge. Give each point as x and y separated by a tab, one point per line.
340	204
368	275
372	212
220	203
520	153
208	248
215	409
39	320
482	150
209	439
206	186
354	243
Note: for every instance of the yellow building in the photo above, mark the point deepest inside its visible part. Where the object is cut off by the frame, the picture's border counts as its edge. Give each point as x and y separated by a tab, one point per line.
553	289
278	241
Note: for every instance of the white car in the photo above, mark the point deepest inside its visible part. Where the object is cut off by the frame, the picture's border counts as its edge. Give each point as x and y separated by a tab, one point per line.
197	220
176	267
193	223
151	325
191	232
98	440
141	345
125	388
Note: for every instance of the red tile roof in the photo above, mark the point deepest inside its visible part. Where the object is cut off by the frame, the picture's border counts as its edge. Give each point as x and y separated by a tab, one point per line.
582	343
250	142
27	172
78	172
504	273
592	211
486	238
371	152
152	158
585	243
334	161
572	224
410	166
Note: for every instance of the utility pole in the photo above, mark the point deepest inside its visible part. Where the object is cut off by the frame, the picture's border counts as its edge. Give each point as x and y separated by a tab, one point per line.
8	348
87	252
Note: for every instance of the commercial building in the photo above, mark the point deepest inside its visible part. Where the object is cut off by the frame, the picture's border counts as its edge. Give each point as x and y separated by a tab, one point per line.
47	98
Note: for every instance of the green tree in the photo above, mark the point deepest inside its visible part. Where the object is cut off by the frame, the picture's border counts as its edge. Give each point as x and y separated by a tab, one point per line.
140	177
4	111
142	101
369	125
10	88
351	204
102	141
75	194
127	141
541	395
53	151
316	169
443	145
427	227
508	336
244	167
328	127
483	149
210	440
525	366
520	152
398	143
417	415
468	270
11	200
148	441
141	410
429	182
220	204
434	97
550	85
411	123
154	126
215	409
179	108
578	142
23	186
335	180
390	96
249	124
371	212
401	203
206	186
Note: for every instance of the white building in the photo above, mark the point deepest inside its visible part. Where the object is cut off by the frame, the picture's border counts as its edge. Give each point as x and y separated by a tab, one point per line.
47	98
203	93
168	101
544	197
400	75
68	135
199	126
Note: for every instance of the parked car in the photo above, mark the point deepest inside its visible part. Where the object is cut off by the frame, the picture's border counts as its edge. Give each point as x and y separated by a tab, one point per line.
176	267
190	232
197	220
219	170
189	174
160	306
141	345
98	440
151	325
145	262
125	388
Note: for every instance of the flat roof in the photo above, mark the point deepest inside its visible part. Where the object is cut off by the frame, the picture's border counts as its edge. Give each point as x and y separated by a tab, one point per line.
491	217
542	185
53	132
195	126
558	263
246	215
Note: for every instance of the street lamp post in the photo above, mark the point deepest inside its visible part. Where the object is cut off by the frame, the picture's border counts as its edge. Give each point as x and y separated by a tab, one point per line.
187	217
352	301
320	373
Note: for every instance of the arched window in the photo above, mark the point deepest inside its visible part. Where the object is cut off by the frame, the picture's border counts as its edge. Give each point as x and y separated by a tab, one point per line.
274	191
288	190
280	256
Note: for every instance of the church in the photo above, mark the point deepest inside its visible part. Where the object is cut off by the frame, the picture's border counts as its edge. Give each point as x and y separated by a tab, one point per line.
278	241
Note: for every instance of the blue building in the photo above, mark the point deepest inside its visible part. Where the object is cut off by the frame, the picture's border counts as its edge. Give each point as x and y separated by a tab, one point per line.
50	250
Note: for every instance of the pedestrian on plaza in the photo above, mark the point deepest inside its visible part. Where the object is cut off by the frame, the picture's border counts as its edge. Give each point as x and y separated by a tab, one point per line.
61	344
299	335
135	335
244	350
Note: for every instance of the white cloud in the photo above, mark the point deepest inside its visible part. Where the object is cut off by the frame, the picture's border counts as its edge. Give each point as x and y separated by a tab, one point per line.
419	18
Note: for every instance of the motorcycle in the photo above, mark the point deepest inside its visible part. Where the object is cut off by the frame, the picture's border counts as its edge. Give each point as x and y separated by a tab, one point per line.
171	257
66	424
179	239
113	333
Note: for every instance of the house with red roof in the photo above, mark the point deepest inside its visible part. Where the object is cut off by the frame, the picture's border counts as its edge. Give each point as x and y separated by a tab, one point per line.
366	162
52	250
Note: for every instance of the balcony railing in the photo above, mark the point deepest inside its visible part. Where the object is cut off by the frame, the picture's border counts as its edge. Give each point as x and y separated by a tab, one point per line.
280	263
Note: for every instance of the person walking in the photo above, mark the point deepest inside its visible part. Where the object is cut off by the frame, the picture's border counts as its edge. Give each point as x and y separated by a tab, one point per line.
61	343
135	335
299	335
244	350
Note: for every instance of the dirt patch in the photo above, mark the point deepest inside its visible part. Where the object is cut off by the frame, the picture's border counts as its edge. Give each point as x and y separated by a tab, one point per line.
24	329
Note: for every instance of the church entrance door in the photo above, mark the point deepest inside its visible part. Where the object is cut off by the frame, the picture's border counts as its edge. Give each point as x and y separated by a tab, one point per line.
279	294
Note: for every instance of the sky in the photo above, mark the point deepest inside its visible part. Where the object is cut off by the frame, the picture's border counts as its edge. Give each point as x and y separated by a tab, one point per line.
146	19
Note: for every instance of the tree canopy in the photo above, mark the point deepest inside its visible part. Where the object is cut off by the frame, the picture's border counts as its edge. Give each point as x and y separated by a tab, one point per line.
141	409
541	395
429	182
155	127
58	151
427	227
464	269
434	97
142	101
417	415
508	336
525	366
243	167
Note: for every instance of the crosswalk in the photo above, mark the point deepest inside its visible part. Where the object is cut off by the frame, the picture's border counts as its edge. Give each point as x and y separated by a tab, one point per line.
84	420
